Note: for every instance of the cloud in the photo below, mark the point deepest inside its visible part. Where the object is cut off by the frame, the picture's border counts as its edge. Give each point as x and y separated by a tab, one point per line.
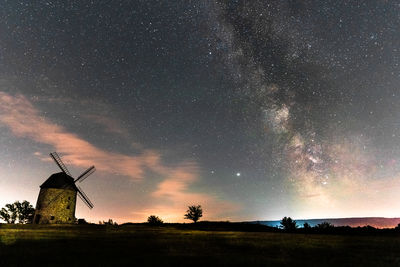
174	197
110	125
25	121
171	196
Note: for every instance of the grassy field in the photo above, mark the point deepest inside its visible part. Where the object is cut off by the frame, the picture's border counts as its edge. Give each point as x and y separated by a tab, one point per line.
141	245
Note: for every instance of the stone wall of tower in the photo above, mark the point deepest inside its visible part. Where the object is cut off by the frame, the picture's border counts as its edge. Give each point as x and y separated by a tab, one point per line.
55	206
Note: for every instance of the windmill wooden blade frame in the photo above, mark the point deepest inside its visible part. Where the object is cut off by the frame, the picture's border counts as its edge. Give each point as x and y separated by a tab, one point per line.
84	198
85	174
59	162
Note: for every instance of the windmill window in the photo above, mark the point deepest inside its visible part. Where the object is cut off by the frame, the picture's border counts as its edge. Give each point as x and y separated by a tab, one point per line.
69	198
68	207
52	218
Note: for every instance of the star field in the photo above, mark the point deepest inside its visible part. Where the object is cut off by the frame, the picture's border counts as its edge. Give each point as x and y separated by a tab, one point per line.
253	109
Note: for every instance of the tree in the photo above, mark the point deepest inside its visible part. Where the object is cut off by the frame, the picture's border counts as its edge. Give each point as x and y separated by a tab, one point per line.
288	224
154	220
5	215
194	213
12	210
23	212
109	222
324	226
306	226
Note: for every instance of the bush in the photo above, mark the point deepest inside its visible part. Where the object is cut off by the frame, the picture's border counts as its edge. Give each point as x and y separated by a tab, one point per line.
82	221
154	220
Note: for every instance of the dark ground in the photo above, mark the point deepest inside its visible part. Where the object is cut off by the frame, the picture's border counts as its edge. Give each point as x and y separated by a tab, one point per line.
183	245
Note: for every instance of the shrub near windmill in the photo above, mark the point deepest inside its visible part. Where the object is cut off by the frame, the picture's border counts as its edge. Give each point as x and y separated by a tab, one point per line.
57	197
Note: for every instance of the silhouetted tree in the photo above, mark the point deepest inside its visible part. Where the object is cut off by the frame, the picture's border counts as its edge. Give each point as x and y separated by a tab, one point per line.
324	226
154	220
11	209
23	212
109	222
5	215
288	224
194	213
306	226
397	228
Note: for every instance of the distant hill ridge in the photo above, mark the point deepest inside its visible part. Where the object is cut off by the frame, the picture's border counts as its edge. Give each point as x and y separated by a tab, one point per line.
377	222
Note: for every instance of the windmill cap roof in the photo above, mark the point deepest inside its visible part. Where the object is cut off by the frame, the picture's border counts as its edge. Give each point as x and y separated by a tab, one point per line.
59	180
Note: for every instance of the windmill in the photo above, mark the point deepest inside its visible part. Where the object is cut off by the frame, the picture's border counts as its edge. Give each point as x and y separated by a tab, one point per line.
57	197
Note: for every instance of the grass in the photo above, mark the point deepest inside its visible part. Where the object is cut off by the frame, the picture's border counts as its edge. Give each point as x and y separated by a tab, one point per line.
142	245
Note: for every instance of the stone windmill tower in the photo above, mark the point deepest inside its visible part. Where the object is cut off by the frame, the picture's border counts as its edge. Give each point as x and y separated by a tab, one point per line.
57	197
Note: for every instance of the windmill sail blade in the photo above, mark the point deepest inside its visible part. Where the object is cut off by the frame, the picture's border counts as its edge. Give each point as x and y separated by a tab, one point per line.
59	162
85	174
84	198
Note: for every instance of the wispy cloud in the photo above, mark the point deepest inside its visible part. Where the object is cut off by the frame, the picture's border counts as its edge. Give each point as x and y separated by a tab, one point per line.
110	125
173	196
170	196
24	120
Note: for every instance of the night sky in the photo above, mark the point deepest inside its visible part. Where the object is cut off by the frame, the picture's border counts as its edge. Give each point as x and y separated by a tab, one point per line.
253	109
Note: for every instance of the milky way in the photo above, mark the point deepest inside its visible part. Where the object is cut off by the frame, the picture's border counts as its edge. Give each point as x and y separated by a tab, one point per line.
324	76
254	109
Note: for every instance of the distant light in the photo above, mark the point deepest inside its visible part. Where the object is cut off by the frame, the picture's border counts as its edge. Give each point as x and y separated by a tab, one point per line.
238	174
